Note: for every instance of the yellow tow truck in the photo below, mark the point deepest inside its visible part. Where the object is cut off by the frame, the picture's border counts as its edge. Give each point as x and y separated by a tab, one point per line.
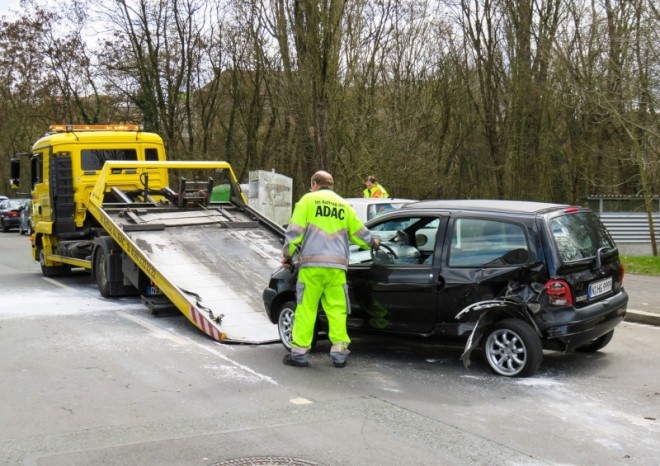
102	200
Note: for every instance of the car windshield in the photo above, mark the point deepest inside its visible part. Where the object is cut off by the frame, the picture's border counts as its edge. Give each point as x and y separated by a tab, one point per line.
579	236
375	210
93	159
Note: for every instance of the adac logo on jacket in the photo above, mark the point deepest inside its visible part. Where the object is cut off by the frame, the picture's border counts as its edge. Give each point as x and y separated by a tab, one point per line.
329	209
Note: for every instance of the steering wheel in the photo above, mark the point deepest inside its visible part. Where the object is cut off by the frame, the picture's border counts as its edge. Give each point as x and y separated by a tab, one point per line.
389	253
401	238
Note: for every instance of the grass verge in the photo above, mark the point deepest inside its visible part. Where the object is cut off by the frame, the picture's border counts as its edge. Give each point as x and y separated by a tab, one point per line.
643	265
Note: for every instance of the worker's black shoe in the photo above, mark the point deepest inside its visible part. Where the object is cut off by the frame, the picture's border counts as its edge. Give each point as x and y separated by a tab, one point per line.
339	364
288	360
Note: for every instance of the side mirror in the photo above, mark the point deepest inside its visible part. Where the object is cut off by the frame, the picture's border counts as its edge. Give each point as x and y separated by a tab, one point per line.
15	172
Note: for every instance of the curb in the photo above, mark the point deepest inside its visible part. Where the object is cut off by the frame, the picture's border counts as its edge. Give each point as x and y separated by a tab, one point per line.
642	317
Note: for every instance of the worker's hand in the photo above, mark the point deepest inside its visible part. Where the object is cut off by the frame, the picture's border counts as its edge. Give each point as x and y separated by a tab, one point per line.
376	244
286	262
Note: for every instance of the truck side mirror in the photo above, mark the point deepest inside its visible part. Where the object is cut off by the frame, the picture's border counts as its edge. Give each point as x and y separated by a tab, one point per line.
15	172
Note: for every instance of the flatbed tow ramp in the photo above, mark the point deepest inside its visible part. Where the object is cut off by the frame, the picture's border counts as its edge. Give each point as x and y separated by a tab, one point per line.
211	262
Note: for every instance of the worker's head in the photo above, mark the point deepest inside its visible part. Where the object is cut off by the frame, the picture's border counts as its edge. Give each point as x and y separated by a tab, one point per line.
370	181
321	179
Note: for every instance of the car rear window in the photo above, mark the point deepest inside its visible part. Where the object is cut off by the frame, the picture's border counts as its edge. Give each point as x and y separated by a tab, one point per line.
579	236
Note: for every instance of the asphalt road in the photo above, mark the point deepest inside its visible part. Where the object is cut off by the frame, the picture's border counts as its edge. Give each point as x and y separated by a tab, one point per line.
87	380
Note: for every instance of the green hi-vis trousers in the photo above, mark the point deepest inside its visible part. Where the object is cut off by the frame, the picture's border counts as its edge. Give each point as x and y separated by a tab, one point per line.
329	287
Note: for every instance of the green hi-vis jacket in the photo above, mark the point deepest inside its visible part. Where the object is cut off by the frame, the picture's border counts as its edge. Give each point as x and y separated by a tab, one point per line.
321	226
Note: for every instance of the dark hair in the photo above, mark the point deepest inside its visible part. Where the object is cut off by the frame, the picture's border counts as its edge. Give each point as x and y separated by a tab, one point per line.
371	178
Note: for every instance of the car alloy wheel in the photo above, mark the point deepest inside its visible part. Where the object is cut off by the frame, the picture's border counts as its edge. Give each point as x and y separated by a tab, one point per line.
285	323
513	349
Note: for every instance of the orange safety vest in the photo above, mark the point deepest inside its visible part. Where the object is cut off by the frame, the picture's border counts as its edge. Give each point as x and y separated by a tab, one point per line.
376	192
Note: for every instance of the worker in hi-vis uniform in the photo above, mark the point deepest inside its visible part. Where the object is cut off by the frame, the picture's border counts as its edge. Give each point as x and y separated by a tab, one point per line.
374	189
320	229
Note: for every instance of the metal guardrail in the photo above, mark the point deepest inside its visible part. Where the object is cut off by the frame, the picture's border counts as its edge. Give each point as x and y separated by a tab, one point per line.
626	227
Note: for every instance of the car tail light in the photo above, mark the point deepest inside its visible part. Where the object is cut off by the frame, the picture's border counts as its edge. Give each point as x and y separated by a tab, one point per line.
12	213
559	293
622	273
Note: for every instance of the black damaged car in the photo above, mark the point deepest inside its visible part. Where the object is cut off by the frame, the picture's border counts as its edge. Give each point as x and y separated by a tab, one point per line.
510	278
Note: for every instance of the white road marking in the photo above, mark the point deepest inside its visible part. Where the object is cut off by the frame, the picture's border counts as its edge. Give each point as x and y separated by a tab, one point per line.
55	282
181	340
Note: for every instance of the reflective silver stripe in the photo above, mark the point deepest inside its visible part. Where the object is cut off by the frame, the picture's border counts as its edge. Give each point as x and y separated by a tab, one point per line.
326	259
339	347
364	235
322	247
293	231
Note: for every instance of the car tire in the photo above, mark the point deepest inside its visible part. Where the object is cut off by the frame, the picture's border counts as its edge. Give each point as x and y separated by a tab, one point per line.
597	344
285	325
5	228
513	349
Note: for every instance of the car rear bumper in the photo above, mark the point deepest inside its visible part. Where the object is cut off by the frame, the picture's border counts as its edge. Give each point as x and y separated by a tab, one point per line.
568	329
12	222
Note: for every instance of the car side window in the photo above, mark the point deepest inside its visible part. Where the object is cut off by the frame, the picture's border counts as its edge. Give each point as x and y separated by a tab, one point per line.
487	243
406	240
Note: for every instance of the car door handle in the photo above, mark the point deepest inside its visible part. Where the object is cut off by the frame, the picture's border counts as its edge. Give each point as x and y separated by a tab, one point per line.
441	283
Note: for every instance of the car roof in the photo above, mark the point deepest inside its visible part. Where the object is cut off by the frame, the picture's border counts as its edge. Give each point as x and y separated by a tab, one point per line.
490	205
379	200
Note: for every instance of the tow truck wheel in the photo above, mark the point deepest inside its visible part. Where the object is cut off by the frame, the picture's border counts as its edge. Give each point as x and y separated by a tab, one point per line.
51	270
101	272
285	325
513	348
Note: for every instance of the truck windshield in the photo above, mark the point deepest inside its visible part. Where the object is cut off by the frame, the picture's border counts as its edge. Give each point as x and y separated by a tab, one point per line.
93	159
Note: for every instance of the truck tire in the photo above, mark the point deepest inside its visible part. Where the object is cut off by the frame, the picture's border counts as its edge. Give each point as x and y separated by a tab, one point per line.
102	272
52	270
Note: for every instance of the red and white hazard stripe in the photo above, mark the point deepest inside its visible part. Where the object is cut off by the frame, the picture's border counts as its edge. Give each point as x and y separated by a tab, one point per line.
202	322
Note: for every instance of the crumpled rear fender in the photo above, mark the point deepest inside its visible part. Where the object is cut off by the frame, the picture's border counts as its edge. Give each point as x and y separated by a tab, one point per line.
488	312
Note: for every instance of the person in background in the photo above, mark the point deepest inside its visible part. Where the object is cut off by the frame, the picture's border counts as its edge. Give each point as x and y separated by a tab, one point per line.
320	229
374	189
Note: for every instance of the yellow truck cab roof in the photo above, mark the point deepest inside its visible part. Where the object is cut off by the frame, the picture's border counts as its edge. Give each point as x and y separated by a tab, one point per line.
96	134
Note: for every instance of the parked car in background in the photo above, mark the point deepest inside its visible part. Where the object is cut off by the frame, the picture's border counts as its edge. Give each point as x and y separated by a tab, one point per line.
370	208
10	213
510	278
2	198
25	224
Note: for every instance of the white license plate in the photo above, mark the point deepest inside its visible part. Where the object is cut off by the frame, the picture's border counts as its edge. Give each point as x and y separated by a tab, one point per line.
600	287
